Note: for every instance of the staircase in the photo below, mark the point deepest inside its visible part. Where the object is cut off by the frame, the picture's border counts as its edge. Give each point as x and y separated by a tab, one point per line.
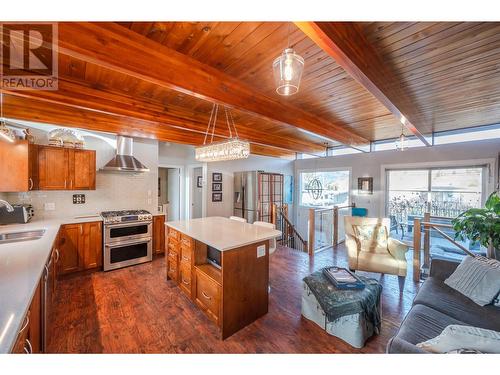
289	236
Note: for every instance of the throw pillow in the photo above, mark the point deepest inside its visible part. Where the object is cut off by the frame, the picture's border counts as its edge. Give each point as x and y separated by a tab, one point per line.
477	278
458	337
372	237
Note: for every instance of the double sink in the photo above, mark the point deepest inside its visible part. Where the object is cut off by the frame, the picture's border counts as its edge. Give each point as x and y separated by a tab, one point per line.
27	235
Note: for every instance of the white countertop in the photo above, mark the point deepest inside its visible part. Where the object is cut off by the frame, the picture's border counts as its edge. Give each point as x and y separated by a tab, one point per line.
222	233
21	266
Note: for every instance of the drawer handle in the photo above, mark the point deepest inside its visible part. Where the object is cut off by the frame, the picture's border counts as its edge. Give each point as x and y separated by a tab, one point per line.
25	324
171	270
185	258
206	296
185	282
29	349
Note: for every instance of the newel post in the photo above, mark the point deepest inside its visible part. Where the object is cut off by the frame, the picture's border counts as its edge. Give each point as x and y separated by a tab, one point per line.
416	249
310	232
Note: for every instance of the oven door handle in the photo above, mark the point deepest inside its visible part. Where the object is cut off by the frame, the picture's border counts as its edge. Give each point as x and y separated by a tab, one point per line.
124	243
130	224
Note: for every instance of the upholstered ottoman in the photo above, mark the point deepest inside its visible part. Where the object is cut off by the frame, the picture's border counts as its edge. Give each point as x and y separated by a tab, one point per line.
356	318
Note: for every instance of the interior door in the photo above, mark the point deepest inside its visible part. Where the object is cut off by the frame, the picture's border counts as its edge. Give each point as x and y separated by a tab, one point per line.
174	194
196	194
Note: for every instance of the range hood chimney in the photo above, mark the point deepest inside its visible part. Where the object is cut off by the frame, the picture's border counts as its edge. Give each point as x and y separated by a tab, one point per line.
124	160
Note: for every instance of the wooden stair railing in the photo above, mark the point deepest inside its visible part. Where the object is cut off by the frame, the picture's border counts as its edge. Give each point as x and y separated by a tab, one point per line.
420	269
289	235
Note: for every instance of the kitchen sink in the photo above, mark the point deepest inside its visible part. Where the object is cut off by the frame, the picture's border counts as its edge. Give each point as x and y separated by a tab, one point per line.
21	236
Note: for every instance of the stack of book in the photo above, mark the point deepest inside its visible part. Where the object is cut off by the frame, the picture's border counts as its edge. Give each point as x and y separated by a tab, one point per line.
342	278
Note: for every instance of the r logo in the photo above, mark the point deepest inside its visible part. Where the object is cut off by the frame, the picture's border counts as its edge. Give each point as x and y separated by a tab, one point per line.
29	56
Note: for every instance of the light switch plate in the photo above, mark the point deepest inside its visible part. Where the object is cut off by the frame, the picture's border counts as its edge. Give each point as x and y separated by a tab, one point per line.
49	206
261	251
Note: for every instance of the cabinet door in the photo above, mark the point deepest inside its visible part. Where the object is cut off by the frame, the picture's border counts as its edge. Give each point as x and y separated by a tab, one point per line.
70	258
53	168
33	167
91	245
14	166
35	325
82	170
159	234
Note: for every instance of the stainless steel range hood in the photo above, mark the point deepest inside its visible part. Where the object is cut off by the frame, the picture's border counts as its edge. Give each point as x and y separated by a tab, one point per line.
124	160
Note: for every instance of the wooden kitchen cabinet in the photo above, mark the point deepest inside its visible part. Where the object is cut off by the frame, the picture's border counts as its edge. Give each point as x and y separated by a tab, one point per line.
80	247
159	234
18	166
66	169
29	338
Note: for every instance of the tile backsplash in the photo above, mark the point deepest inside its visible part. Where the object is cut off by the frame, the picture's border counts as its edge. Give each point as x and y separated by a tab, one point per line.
114	190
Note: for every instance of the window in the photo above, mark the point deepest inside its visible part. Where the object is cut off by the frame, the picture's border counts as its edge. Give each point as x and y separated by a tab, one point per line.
445	192
325	188
467	135
341	150
390	144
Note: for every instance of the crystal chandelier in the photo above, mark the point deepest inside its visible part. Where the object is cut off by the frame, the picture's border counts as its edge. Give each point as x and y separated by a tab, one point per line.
287	69
229	149
401	141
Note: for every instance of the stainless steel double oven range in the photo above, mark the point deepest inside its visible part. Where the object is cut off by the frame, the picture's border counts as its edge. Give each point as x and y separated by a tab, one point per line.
127	238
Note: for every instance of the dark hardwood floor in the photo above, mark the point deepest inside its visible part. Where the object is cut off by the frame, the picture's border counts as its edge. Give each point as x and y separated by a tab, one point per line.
136	310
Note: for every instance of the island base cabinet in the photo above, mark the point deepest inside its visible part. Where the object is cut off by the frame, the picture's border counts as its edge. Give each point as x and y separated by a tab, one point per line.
208	296
29	338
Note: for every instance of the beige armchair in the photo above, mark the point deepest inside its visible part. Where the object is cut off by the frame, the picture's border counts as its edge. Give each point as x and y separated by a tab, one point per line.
369	247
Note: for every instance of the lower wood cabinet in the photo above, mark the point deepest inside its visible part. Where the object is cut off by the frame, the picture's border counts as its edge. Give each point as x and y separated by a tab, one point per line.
208	294
29	338
80	247
159	234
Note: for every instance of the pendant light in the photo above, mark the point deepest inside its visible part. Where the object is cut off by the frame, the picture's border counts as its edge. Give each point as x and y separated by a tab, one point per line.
229	149
287	69
6	134
402	142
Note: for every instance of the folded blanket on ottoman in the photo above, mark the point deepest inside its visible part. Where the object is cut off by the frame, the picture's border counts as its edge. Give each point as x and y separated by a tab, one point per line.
337	303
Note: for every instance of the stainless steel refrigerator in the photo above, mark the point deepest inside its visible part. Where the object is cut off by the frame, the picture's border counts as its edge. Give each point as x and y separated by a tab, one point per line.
254	194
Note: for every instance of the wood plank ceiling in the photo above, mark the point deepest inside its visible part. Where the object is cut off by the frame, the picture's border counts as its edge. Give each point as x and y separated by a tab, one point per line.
450	71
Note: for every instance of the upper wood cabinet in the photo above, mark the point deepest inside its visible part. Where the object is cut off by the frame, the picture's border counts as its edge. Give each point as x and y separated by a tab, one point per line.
66	169
80	247
18	166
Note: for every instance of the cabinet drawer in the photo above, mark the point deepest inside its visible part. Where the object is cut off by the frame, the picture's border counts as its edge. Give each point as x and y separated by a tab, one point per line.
208	296
173	234
21	346
186	241
186	255
185	278
172	269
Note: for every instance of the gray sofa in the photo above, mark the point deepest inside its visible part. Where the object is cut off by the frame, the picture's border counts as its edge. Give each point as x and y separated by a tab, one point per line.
435	307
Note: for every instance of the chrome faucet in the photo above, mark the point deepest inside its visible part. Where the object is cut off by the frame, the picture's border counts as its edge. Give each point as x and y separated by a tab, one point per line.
7	205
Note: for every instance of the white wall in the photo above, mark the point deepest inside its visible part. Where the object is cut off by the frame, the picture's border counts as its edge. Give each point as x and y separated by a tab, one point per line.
113	190
373	164
227	168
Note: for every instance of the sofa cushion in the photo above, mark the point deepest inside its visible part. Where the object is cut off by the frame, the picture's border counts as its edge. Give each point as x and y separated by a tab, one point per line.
477	278
456	337
436	294
423	323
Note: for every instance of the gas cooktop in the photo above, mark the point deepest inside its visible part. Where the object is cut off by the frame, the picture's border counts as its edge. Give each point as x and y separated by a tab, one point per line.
126	216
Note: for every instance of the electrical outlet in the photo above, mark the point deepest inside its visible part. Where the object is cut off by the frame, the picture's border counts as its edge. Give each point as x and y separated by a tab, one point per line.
78	198
49	206
261	251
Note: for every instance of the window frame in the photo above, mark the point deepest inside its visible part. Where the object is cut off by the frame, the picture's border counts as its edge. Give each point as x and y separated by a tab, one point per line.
319	170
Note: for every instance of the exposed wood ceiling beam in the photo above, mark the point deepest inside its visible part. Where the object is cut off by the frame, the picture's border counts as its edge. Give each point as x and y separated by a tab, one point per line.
117	48
80	96
347	45
32	109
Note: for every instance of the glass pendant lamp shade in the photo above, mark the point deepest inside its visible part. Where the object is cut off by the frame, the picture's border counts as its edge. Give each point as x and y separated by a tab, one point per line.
287	70
401	142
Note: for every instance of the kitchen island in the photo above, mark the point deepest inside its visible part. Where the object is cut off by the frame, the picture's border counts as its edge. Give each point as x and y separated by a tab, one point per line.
222	265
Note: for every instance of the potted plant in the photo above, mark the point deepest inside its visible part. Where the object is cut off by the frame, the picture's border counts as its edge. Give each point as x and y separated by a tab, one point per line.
482	225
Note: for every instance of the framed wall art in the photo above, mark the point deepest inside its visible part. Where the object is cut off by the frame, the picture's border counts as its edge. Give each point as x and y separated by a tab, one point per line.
365	185
216	197
216	177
